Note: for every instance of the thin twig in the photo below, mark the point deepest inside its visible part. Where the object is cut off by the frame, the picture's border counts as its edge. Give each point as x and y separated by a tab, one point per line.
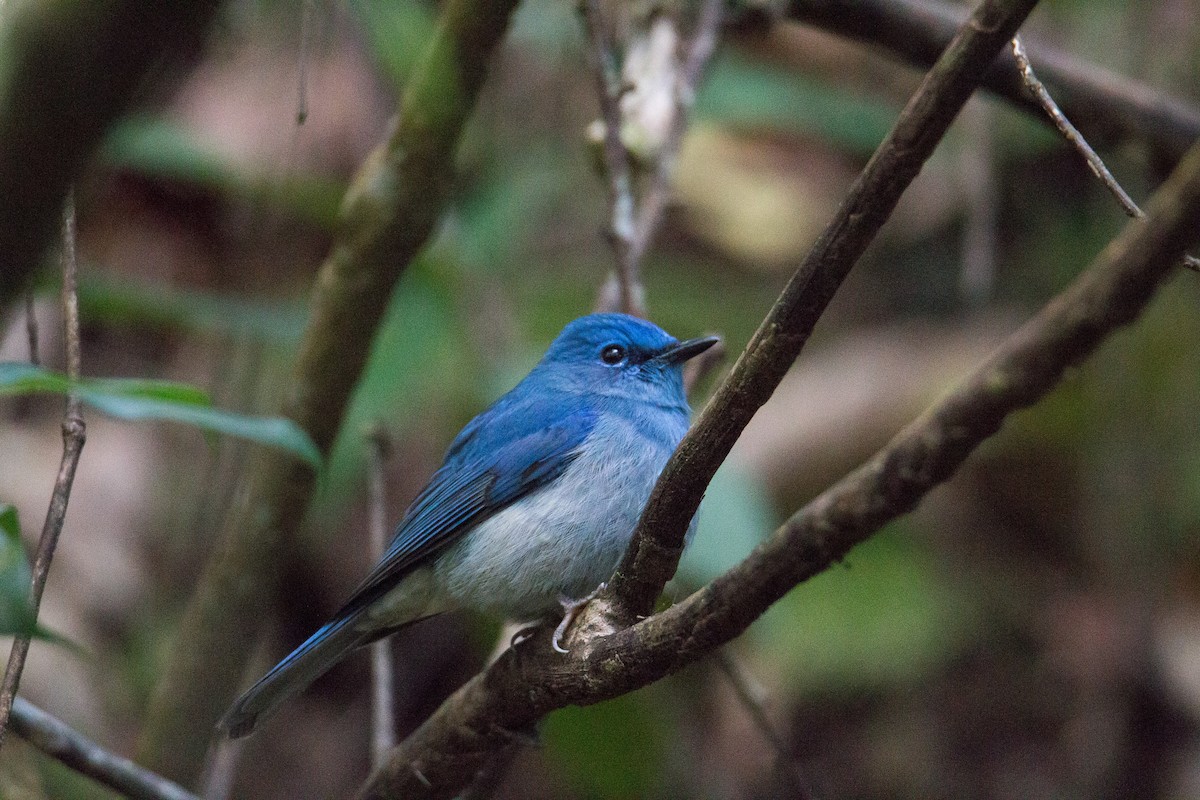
622	225
383	691
74	435
1076	140
31	329
656	196
750	696
64	744
306	24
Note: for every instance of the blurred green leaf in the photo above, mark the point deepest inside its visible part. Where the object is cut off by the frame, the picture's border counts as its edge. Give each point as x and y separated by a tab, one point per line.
15	577
397	33
883	619
140	399
615	749
130	302
735	516
161	149
747	94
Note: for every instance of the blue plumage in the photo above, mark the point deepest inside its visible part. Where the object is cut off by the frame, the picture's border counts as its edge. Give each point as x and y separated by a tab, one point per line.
535	502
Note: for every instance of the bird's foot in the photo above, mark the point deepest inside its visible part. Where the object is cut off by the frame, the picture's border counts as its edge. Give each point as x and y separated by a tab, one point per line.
571	609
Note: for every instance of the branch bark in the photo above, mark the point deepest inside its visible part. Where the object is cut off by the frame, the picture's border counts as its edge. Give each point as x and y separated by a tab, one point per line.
69	68
1110	107
490	712
59	741
388	213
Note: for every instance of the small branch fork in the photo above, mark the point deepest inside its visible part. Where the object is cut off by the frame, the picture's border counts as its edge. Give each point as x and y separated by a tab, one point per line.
633	222
1076	140
383	717
74	435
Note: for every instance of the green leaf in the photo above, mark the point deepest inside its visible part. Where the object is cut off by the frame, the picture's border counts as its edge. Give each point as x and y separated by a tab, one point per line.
272	431
138	399
18	378
15	577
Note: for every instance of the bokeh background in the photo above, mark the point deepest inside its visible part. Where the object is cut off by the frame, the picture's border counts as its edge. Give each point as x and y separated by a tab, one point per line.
1032	631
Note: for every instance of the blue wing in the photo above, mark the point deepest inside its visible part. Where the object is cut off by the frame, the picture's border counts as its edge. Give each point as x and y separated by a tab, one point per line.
518	445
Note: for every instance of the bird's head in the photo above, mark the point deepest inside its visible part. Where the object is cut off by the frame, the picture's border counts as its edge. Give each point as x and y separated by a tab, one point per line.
617	354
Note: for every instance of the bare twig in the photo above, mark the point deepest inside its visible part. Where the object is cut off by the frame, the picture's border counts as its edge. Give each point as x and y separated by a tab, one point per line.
657	195
31	330
634	221
303	57
750	696
622	226
74	435
61	742
1076	140
383	717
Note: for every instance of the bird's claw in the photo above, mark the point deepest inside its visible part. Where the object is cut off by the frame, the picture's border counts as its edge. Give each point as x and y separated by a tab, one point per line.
571	610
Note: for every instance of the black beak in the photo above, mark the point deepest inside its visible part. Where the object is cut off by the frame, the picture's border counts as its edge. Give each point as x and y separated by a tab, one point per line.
682	351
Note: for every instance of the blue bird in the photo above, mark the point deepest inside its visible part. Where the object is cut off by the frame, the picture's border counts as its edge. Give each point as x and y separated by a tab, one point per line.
531	510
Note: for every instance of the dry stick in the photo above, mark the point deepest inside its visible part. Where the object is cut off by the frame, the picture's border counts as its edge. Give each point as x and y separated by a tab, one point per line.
655	198
750	698
306	24
526	683
74	435
657	543
383	717
61	742
622	226
1076	140
31	330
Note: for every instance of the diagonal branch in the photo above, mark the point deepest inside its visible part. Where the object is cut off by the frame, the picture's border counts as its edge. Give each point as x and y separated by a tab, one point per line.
59	741
489	712
658	541
390	210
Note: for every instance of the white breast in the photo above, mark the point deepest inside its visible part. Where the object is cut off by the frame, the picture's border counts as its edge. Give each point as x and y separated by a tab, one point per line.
562	540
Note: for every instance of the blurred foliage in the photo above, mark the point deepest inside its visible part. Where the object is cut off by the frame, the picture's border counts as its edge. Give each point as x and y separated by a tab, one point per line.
1090	498
137	399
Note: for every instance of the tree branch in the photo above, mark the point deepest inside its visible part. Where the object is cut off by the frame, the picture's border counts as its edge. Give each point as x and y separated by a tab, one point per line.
70	67
1110	106
59	741
74	434
657	543
388	213
490	712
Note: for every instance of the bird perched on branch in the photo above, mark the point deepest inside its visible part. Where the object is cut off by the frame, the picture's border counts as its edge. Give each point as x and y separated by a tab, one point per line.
533	507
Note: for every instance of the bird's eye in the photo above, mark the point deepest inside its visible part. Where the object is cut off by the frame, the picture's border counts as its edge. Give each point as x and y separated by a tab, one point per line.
612	354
